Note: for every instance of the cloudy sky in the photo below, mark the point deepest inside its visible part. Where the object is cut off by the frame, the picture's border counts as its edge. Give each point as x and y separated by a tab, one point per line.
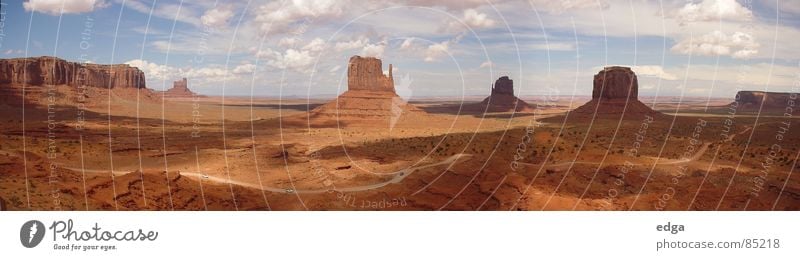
438	48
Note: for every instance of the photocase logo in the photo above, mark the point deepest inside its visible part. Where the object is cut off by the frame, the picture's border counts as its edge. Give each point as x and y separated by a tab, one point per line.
31	233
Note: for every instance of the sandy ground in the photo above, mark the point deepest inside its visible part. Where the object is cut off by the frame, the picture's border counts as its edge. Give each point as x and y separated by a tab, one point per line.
129	150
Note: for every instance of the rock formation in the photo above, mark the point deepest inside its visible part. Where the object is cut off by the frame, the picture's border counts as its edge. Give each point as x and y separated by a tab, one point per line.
179	89
616	83
502	98
366	73
54	71
370	98
753	100
615	93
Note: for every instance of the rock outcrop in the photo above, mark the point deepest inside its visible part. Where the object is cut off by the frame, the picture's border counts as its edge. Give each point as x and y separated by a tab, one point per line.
502	98
370	98
180	89
503	86
616	83
755	100
615	94
54	71
366	73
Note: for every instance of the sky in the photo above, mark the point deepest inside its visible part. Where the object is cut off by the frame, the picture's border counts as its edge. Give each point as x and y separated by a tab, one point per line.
451	48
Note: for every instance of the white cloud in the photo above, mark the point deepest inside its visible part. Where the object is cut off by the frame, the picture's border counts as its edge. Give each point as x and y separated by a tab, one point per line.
57	7
182	13
279	16
244	69
436	51
487	64
292	59
315	45
554	46
287	42
217	17
477	20
739	45
712	10
471	20
335	68
451	4
153	71
560	6
407	43
349	45
653	71
373	50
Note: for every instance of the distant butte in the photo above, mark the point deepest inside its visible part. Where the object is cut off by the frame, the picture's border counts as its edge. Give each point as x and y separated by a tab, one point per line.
766	101
502	98
615	93
370	97
179	89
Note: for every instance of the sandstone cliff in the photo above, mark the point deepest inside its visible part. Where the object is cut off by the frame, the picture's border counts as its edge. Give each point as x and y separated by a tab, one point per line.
502	99
616	82
179	88
753	100
54	71
370	99
615	94
366	73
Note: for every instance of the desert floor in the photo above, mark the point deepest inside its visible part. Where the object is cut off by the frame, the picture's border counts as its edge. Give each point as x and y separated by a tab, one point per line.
129	150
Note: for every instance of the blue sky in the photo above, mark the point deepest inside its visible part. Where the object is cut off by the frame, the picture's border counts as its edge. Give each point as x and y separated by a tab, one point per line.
445	48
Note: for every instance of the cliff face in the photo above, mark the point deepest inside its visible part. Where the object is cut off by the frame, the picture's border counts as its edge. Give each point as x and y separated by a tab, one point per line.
502	99
615	95
179	88
616	83
754	99
366	73
503	85
55	71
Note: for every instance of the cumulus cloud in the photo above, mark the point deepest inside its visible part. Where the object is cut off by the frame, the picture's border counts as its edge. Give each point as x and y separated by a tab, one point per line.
471	19
315	45
653	71
436	51
373	50
217	17
350	45
279	16
712	10
157	72
153	71
475	19
739	45
560	6
57	7
298	60
244	69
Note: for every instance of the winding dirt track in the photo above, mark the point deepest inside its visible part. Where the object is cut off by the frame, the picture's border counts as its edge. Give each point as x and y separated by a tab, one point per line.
398	177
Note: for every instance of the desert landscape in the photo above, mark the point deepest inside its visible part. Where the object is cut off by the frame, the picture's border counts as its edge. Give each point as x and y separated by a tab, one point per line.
94	137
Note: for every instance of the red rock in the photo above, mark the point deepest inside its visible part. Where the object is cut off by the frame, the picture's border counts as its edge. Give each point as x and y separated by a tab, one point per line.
755	100
615	94
54	71
616	82
370	99
179	88
502	99
366	73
